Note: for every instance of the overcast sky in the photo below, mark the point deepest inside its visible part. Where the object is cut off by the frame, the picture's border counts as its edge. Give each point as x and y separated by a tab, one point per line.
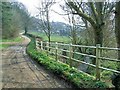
32	4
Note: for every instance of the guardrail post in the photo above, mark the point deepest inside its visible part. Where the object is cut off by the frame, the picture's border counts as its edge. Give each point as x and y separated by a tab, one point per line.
41	45
56	51
47	47
36	44
70	54
97	62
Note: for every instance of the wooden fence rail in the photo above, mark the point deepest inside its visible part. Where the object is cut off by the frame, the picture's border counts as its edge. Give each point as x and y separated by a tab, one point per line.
55	47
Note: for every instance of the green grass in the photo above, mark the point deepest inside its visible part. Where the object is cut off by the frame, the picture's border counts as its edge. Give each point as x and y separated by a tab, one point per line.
3	46
55	38
18	39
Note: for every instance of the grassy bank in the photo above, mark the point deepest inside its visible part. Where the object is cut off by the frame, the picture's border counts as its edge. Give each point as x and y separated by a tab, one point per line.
72	75
17	39
3	46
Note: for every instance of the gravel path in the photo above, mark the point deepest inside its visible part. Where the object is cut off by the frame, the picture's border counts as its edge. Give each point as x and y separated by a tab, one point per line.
20	71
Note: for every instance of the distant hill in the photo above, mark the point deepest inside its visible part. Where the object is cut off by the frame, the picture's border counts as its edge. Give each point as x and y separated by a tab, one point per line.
58	28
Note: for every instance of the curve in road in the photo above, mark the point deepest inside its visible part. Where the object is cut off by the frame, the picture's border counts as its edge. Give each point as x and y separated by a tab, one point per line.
20	71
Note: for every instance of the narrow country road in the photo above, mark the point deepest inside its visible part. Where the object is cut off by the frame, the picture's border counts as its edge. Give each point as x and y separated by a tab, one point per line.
19	71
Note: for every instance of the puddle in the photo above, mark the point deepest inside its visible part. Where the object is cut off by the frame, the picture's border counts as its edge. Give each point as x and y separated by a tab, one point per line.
16	48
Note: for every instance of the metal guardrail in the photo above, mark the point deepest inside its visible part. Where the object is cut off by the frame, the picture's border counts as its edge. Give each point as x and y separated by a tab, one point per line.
70	46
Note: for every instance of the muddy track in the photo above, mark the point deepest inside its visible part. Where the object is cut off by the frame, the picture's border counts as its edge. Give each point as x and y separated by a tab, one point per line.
20	71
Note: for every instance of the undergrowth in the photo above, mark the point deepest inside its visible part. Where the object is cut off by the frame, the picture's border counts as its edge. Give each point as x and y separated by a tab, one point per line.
72	75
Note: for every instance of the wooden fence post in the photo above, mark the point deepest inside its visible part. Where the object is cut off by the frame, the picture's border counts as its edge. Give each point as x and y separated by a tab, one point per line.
41	45
37	45
47	48
56	51
97	62
70	54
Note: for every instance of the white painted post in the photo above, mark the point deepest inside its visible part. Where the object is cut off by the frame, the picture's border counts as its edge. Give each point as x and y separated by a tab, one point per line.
97	62
41	45
37	44
56	51
47	48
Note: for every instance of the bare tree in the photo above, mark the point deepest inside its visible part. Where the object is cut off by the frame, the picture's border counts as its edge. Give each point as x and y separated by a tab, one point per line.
117	29
95	13
44	16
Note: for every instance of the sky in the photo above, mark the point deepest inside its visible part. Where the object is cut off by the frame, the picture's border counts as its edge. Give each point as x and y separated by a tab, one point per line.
32	4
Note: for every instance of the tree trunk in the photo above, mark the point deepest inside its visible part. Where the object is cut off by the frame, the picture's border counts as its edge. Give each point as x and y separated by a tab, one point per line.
117	29
48	27
98	36
98	39
25	30
49	39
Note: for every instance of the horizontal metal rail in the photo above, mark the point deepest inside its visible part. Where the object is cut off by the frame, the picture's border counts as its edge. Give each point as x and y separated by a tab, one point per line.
104	58
85	54
112	70
107	48
83	62
63	56
63	44
52	48
82	46
63	50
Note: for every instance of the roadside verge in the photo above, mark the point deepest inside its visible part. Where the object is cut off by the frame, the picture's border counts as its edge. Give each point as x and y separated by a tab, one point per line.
76	78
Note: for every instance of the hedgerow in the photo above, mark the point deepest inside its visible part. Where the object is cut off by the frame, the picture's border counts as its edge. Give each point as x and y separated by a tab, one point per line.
77	78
